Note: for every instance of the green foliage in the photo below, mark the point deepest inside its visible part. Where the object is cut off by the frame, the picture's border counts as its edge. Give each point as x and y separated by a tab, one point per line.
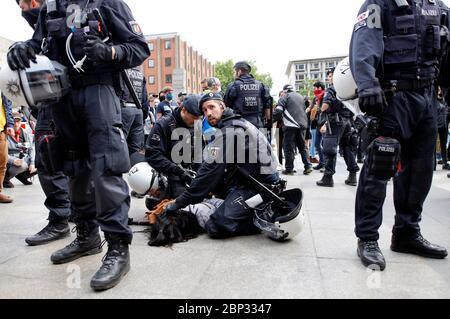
225	73
308	89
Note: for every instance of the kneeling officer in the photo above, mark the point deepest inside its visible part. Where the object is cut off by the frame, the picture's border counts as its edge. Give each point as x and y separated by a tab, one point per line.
238	147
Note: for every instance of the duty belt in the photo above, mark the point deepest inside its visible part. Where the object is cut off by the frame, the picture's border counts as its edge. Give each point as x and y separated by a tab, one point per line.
406	85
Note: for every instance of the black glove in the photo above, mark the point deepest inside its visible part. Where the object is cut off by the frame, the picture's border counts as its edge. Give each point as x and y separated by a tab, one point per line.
171	210
20	55
372	102
96	50
186	178
183	175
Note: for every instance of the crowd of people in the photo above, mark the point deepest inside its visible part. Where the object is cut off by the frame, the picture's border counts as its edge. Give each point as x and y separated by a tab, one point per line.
211	162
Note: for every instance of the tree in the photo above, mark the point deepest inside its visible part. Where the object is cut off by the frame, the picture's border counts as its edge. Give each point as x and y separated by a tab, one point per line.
307	89
225	73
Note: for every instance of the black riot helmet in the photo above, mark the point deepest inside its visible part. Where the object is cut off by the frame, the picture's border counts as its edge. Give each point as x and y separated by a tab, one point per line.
244	66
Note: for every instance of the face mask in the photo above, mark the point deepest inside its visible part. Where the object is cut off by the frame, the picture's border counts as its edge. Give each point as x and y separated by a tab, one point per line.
31	16
317	92
169	97
162	98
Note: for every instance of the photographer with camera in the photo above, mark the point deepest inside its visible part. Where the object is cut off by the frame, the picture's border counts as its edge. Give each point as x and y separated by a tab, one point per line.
21	155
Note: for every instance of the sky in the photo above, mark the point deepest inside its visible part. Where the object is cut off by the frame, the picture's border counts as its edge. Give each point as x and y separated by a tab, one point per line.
269	32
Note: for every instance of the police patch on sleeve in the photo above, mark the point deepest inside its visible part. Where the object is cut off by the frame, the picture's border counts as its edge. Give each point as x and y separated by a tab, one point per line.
361	21
135	27
156	138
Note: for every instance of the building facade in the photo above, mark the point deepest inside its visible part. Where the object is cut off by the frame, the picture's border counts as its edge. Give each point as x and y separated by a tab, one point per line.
174	63
299	72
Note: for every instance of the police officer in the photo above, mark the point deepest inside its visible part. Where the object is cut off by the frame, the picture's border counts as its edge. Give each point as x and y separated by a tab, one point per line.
218	171
339	133
248	97
88	120
133	115
291	109
394	57
163	139
54	183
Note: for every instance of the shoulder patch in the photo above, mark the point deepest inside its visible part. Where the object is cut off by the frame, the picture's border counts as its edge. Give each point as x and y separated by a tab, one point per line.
156	138
135	27
361	21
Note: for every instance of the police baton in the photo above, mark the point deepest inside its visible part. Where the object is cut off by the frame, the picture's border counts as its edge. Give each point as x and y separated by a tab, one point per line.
105	33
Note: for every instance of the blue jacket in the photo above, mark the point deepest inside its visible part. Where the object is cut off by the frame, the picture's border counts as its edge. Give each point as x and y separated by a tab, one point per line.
8	111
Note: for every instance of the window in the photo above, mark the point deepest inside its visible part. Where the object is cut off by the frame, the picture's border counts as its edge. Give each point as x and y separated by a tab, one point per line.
300	67
331	65
169	78
300	77
150	46
168	61
151	63
315	66
315	76
151	80
168	45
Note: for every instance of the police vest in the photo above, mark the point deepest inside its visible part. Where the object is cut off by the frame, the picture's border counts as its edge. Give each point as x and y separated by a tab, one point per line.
71	19
137	81
258	151
248	101
412	40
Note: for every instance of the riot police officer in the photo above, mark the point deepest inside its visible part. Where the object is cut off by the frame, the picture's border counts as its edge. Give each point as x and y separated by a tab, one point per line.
95	40
248	97
162	141
394	56
133	115
339	133
218	173
54	183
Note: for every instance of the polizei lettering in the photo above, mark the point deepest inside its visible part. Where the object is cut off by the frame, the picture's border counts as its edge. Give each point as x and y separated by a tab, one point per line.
386	149
249	87
198	310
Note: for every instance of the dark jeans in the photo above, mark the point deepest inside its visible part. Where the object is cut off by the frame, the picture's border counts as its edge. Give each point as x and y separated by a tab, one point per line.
293	139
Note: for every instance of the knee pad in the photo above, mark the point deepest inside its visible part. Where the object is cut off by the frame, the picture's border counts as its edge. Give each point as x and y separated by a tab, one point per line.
384	157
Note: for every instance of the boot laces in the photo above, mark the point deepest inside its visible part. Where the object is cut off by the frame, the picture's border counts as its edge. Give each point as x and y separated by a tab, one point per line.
372	246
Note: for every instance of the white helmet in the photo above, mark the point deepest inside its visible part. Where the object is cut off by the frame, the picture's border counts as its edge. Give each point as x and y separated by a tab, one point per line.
344	83
144	180
282	224
44	82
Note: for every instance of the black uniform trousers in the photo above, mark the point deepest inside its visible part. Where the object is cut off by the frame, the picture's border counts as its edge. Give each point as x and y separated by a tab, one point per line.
339	136
233	218
89	124
294	138
54	184
133	128
412	118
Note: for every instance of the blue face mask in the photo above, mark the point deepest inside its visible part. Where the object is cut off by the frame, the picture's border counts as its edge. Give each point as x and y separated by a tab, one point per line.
169	97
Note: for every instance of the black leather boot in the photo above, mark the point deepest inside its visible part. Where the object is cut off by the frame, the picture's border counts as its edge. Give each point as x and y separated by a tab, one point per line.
352	180
88	242
116	264
55	230
24	178
371	256
327	181
418	246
